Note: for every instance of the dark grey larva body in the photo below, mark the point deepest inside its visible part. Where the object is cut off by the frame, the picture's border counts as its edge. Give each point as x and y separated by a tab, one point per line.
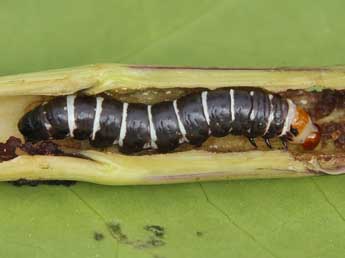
163	126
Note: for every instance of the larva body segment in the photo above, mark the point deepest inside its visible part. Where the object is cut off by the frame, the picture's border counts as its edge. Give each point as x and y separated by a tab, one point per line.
84	117
110	117
192	116
163	126
219	112
57	118
137	129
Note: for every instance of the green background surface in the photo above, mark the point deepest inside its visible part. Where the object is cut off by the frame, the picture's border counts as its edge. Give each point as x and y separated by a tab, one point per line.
258	218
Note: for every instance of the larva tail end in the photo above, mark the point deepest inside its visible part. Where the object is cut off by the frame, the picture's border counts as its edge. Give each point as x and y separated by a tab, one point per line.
31	127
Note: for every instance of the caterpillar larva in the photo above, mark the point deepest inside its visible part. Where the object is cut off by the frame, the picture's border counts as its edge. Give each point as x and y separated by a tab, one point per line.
251	112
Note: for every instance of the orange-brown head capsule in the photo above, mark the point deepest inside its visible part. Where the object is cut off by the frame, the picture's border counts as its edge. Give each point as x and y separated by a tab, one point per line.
304	131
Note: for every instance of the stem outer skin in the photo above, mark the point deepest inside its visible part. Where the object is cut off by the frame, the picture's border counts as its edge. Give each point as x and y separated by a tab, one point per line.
189	166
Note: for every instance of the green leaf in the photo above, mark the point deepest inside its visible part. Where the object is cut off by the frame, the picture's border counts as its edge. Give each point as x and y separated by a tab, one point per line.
259	218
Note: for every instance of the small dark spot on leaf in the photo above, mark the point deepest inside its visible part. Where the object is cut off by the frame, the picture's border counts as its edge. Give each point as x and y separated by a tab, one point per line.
116	232
151	242
98	236
199	233
154	242
157	230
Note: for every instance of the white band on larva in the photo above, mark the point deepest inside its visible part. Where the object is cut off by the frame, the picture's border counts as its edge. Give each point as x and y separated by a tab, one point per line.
271	115
123	127
205	107
232	105
70	114
289	118
153	135
180	125
252	114
96	121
